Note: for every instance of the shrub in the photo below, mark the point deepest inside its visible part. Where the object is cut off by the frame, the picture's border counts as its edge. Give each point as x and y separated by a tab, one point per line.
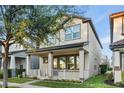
19	72
103	69
9	73
34	77
110	76
65	80
109	69
1	74
123	76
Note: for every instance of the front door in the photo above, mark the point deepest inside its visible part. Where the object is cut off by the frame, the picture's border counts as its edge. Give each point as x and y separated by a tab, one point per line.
45	68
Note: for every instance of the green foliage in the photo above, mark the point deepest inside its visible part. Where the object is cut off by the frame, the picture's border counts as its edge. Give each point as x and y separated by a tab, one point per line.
18	72
1	74
122	76
109	69
19	80
9	73
103	68
64	80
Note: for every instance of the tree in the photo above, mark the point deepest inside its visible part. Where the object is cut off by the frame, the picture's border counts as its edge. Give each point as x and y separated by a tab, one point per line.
27	24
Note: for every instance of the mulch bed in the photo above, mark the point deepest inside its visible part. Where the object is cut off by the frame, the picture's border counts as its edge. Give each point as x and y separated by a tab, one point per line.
111	82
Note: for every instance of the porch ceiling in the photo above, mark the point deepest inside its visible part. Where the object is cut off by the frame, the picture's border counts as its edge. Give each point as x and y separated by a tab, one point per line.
60	50
71	51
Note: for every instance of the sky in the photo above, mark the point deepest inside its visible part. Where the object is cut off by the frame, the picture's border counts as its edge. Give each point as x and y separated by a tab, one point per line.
99	15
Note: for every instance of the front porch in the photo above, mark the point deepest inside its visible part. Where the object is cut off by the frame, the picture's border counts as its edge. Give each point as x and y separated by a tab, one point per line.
71	63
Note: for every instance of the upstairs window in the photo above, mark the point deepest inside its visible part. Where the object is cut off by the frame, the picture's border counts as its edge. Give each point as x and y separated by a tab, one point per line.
73	32
51	40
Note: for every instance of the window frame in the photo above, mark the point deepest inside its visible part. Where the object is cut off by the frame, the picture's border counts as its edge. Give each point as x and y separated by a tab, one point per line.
50	38
72	32
66	60
59	62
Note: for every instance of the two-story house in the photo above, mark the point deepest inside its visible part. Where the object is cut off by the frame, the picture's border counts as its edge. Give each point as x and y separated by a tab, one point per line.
117	44
75	53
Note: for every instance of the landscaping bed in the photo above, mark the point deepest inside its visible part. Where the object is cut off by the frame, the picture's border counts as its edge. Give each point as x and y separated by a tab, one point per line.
110	81
93	82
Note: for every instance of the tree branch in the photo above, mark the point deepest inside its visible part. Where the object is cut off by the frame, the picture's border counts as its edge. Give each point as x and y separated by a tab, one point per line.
2	43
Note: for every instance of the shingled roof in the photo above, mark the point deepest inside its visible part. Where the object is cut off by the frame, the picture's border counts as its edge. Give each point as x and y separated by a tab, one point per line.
117	44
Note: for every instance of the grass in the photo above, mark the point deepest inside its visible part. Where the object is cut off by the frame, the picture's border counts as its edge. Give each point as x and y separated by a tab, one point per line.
93	82
19	80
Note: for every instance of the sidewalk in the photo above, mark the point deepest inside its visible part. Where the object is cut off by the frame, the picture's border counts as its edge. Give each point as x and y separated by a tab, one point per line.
24	85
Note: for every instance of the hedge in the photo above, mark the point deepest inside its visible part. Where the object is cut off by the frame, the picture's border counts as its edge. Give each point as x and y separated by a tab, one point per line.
103	69
18	72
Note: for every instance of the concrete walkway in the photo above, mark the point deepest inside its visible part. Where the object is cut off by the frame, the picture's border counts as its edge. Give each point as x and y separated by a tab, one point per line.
24	85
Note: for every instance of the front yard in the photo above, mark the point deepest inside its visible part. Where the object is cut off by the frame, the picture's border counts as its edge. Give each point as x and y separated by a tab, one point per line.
93	82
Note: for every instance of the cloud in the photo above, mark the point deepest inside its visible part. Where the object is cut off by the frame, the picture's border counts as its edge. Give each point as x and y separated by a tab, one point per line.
105	40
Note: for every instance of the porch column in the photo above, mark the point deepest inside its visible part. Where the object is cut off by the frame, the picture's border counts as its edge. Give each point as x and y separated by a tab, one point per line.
117	69
40	66
28	65
13	66
81	66
2	64
50	61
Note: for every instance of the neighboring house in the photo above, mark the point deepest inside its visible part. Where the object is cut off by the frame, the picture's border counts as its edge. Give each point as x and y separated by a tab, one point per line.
117	44
75	53
17	58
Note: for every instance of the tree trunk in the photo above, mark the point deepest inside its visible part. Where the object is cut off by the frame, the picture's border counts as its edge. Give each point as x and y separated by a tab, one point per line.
5	75
5	66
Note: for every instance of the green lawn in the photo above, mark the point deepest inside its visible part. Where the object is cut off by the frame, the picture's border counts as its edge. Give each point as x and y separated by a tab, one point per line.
19	80
94	82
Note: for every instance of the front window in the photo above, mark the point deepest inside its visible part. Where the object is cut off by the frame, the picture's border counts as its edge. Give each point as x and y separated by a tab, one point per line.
34	62
62	62
71	63
72	32
66	62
